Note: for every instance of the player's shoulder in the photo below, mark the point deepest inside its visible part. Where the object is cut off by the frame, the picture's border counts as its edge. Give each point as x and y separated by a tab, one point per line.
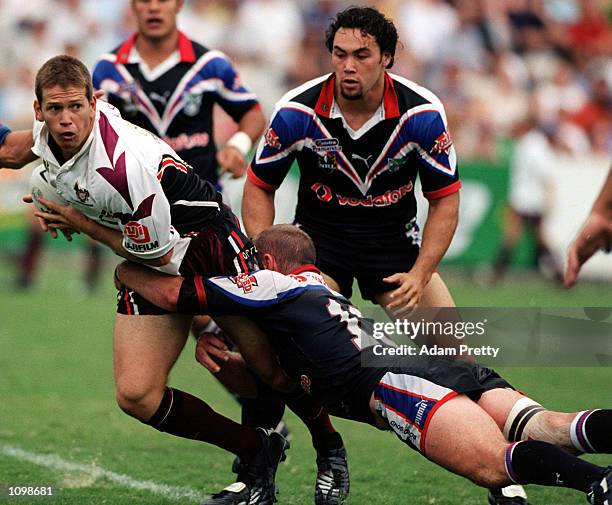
411	95
212	61
143	145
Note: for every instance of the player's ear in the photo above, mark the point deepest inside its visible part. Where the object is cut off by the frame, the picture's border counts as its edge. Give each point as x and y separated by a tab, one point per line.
269	262
37	110
386	60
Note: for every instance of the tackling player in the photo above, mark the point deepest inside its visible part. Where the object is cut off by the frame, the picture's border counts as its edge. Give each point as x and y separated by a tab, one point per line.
464	417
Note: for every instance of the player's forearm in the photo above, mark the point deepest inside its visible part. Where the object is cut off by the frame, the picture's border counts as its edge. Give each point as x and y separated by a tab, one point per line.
438	233
156	287
16	150
253	123
257	209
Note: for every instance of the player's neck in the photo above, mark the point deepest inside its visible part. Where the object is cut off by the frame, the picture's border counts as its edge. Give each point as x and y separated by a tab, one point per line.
357	112
156	51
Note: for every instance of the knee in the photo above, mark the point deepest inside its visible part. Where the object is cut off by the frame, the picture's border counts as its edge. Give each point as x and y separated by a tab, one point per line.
489	469
138	400
490	476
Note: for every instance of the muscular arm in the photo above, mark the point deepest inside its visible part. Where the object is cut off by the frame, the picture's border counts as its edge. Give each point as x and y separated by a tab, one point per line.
232	158
16	151
163	290
160	289
438	233
253	123
257	208
67	217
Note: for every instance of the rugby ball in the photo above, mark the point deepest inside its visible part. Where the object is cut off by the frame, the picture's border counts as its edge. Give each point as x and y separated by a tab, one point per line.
39	186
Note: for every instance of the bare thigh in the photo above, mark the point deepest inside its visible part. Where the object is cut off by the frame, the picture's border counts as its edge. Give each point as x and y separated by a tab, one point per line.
436	294
464	439
144	350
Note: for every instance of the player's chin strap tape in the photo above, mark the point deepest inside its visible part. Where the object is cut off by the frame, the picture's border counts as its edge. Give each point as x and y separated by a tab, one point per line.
191	298
522	412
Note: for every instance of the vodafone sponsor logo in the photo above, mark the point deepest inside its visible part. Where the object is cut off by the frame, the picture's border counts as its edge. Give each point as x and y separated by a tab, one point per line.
137	232
390	197
322	191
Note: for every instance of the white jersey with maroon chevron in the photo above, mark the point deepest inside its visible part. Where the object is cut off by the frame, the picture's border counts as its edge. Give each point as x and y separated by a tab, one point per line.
127	179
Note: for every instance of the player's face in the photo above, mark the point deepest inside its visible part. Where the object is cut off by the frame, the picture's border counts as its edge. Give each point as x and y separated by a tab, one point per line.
358	63
156	19
68	115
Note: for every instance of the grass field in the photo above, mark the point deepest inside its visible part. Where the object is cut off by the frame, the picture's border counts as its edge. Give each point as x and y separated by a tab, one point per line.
60	427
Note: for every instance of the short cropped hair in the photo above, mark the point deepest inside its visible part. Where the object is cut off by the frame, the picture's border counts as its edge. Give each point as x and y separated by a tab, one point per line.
290	246
64	71
371	22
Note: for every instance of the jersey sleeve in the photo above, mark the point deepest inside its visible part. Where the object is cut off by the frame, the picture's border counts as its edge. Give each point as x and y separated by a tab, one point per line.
230	93
276	151
107	77
436	153
241	294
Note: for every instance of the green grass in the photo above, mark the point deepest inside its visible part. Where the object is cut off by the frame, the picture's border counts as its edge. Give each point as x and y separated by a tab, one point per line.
57	399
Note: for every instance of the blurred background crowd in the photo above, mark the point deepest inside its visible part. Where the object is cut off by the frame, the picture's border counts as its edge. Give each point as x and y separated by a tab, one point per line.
498	65
526	83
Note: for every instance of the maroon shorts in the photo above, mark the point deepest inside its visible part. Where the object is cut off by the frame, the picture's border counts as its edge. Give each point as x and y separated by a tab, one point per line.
219	248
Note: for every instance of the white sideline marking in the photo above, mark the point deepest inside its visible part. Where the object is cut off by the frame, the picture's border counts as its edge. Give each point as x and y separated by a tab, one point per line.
96	472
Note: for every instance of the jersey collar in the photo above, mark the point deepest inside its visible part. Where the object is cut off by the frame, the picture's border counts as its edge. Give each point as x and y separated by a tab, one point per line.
185	48
305	268
325	102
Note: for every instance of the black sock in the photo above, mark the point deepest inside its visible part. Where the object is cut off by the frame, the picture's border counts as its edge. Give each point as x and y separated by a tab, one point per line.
316	419
591	431
186	416
266	410
534	462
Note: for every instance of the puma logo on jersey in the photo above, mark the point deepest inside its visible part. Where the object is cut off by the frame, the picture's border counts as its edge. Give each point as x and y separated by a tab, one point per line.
365	160
162	99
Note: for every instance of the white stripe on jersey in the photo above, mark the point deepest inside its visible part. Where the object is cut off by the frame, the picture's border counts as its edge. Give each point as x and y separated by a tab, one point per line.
415	386
217	85
424	92
189	203
177	97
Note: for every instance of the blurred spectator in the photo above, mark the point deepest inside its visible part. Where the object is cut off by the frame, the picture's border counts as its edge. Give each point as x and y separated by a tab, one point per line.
415	21
531	166
252	37
209	22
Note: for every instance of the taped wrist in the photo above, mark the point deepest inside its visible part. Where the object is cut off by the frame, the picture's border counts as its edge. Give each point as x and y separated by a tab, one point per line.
192	297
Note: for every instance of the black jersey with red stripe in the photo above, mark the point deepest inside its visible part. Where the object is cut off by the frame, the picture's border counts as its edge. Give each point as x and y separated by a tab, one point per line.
321	339
175	100
360	182
194	202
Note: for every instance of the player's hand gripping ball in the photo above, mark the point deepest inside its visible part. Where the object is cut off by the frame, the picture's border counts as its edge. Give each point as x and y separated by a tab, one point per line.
39	186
